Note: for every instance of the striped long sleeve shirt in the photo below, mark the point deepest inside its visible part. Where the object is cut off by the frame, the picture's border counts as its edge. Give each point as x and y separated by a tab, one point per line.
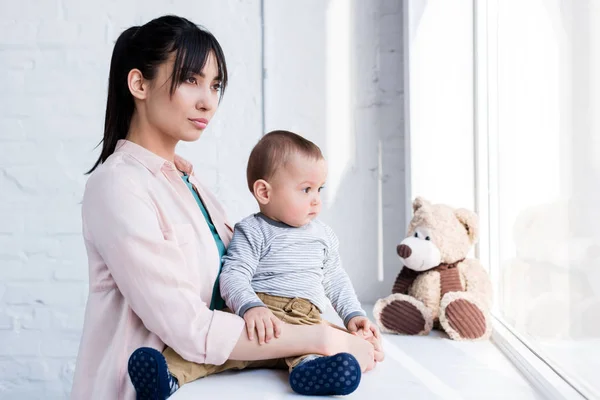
274	258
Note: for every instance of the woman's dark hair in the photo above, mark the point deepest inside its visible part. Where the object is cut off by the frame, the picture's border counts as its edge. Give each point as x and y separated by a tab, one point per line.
145	48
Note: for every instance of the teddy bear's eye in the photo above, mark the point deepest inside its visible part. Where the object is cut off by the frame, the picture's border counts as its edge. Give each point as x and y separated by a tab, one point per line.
427	238
416	235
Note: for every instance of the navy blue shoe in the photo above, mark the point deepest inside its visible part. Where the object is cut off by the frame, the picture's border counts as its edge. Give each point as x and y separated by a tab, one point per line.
326	376
150	375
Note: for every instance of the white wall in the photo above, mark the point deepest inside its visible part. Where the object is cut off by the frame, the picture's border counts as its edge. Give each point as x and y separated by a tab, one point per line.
54	59
440	46
334	74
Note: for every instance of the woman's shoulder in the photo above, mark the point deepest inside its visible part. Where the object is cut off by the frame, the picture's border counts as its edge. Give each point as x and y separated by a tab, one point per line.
117	172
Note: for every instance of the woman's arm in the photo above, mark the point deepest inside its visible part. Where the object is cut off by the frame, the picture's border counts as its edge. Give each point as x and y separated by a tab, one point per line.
306	339
121	223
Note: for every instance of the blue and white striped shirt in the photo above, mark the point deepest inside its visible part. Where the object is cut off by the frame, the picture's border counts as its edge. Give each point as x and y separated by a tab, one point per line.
274	258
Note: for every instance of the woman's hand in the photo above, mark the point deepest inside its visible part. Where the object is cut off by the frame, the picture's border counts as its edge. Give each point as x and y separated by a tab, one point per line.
264	322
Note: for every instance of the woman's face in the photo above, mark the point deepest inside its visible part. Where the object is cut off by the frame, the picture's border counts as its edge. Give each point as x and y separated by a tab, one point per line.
185	114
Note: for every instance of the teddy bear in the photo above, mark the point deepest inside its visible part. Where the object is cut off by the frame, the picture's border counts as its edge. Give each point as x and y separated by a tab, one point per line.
551	276
438	284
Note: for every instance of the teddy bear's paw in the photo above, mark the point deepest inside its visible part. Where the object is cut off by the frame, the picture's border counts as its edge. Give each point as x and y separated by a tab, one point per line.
463	318
404	315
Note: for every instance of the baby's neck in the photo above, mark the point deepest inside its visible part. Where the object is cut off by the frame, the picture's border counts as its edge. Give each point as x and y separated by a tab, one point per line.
265	211
271	217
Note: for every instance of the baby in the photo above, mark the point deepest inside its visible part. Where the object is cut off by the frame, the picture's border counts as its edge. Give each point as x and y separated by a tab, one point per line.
283	266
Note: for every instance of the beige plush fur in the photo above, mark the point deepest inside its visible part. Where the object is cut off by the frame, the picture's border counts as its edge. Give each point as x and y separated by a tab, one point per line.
453	232
426	290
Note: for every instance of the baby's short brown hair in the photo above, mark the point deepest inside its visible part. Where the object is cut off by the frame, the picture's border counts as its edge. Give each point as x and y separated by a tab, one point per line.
273	151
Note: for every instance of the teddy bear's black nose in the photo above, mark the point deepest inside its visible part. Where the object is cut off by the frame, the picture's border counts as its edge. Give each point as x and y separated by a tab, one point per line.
403	251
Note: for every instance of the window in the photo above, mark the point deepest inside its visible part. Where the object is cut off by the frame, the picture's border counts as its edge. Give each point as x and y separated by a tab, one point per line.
537	135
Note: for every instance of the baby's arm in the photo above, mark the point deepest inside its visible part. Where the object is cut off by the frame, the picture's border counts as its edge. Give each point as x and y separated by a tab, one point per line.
239	267
340	291
337	284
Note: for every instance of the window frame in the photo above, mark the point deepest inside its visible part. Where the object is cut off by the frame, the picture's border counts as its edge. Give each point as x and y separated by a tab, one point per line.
548	378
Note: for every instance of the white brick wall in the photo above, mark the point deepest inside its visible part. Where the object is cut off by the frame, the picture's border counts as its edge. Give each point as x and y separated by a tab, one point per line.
54	58
334	74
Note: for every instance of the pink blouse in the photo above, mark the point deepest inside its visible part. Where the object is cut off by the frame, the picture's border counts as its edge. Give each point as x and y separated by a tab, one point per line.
152	266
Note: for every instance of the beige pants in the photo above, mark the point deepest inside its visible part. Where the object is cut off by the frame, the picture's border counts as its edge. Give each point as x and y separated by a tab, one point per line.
291	311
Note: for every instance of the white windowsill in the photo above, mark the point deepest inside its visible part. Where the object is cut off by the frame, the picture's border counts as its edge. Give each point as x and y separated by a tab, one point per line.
431	367
547	380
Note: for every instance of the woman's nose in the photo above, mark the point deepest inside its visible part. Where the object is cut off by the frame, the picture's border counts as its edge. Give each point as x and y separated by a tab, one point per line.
207	100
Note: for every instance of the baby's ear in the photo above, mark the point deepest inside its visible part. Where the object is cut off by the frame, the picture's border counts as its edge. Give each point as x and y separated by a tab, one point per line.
262	191
420	202
470	221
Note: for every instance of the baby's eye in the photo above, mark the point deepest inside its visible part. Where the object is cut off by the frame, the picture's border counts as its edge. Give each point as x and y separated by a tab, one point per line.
321	188
306	190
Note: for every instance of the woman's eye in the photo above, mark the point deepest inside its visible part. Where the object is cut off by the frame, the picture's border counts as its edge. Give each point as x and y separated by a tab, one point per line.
217	87
191	80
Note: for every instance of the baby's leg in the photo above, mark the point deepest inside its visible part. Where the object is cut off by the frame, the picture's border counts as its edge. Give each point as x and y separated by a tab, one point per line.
158	376
186	371
314	374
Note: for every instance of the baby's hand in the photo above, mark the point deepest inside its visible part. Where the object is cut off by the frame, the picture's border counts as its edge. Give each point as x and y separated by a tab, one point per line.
362	327
363	324
365	334
266	324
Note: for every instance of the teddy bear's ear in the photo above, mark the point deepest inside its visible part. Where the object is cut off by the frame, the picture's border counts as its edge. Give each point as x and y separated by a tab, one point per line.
419	202
470	221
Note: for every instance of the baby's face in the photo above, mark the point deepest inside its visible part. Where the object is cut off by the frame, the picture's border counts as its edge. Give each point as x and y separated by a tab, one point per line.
296	197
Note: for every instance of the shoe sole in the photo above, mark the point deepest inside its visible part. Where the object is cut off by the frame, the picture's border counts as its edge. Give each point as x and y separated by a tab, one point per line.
325	376
148	372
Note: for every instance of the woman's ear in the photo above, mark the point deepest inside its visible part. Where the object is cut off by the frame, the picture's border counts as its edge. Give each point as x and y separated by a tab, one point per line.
262	191
138	86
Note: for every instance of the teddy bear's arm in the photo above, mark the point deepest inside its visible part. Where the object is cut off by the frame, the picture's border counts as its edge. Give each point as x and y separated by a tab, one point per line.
403	281
426	288
476	279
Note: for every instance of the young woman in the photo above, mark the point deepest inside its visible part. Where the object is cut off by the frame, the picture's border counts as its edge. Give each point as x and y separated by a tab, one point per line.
153	251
